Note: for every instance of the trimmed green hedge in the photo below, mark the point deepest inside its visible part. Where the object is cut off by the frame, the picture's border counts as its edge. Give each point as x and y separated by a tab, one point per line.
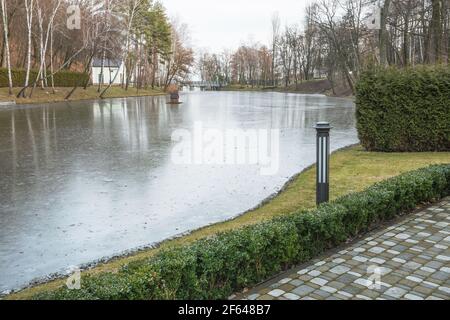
404	110
62	78
217	267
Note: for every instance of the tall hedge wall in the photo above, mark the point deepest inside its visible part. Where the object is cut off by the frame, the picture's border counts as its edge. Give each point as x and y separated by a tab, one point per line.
217	267
404	110
62	78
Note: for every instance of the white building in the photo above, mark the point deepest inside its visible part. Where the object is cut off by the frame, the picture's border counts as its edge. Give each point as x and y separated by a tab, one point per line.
113	71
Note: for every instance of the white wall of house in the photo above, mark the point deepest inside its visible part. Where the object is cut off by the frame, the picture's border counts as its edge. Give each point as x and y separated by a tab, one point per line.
108	75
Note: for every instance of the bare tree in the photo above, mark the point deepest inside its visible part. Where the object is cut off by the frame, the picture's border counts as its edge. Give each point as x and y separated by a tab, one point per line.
133	6
29	7
436	32
275	35
310	47
44	39
6	40
181	58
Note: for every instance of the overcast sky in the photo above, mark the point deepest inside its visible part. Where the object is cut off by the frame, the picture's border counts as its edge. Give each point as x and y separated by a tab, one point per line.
218	24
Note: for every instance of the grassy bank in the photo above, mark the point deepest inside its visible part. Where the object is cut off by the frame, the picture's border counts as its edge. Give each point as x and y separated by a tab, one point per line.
317	86
352	170
46	96
237	87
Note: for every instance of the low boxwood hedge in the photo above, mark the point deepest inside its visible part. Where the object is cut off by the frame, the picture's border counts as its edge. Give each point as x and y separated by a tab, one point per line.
404	110
62	79
216	267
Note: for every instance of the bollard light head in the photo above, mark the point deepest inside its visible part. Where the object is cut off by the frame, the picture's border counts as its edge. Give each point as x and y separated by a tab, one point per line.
323	126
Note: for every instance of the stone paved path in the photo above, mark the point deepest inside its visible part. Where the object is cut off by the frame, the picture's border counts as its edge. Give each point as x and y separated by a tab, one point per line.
409	260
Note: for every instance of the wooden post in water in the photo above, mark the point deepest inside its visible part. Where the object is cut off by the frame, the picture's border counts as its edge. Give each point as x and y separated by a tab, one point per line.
174	94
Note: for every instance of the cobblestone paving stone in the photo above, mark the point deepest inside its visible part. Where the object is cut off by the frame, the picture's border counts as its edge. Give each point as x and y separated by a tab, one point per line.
409	261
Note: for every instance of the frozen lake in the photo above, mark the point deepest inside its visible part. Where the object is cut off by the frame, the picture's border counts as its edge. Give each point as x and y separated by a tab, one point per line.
86	180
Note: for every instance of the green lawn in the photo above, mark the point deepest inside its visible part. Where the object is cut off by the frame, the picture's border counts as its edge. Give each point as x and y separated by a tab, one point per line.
45	96
352	169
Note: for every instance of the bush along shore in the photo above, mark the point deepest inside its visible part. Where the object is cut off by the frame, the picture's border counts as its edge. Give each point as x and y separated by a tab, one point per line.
216	267
61	79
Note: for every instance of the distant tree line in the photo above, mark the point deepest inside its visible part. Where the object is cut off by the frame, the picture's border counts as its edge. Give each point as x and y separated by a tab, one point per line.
336	40
36	36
